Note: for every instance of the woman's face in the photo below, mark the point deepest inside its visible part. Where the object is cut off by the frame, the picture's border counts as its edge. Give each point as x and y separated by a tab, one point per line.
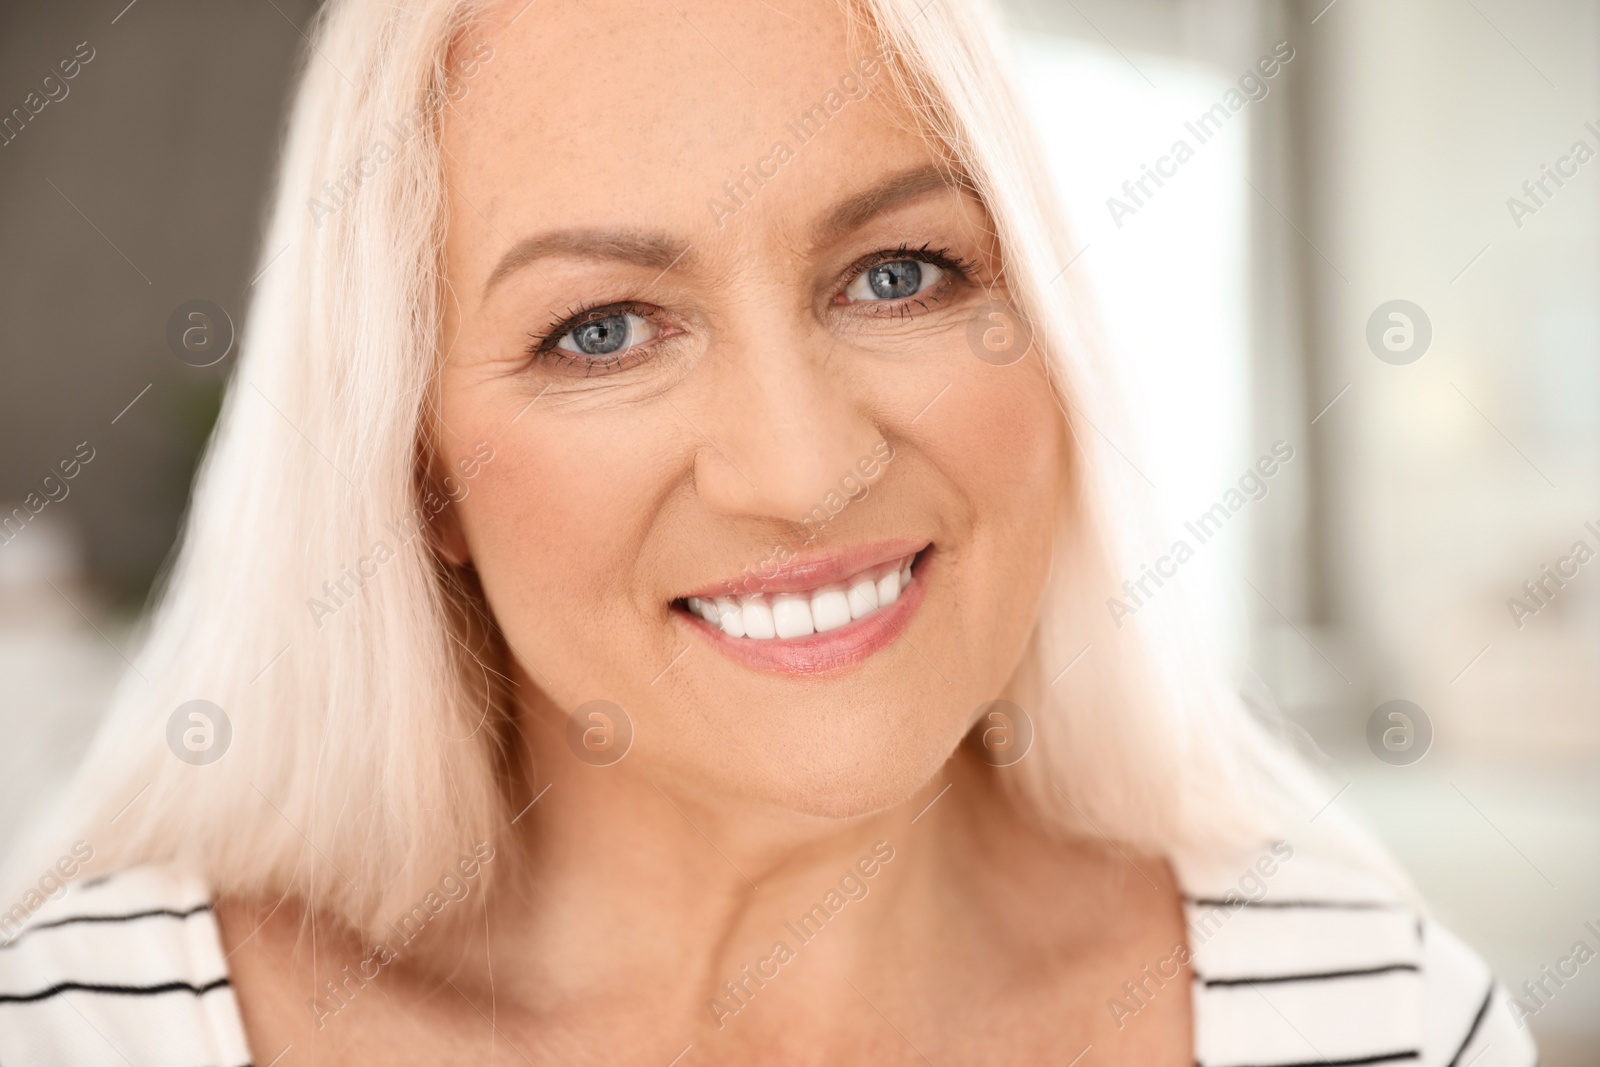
722	319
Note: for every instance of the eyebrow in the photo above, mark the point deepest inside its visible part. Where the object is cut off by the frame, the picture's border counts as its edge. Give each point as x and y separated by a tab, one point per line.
661	252
644	249
856	211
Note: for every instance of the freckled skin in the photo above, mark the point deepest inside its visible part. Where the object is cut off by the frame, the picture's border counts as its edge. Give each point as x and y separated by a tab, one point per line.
760	379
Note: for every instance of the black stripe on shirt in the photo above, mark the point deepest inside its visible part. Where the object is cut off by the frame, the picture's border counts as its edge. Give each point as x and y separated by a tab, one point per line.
1472	1031
116	990
1359	972
1380	1057
1242	902
126	917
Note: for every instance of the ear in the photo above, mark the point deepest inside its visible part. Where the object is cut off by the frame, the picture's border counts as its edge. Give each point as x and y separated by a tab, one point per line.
448	539
445	535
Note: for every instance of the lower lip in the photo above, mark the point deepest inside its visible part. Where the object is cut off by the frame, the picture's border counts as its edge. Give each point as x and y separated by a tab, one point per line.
823	653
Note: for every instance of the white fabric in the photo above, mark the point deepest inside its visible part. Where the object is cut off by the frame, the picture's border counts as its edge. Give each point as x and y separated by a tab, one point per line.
160	993
1299	962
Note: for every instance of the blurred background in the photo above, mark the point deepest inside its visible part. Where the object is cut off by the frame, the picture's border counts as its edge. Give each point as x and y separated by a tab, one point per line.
1385	256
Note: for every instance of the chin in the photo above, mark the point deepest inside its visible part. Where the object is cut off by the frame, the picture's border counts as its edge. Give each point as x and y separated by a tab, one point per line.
845	771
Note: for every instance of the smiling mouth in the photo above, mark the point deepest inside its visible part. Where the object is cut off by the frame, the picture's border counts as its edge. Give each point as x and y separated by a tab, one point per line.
791	615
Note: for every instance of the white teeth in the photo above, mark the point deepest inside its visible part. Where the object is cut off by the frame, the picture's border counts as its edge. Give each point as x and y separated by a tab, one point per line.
757	618
830	609
888	589
863	597
730	616
763	617
791	615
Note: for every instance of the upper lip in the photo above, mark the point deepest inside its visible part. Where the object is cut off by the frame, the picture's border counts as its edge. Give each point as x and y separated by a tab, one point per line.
804	573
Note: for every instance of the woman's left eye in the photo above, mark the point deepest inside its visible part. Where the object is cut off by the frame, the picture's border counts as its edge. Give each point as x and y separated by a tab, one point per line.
896	279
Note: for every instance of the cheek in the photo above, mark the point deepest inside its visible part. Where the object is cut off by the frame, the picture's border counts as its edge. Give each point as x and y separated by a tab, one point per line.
554	525
529	505
1001	449
1001	442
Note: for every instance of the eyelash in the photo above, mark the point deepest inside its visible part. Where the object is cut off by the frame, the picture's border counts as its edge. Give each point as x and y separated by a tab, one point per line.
542	347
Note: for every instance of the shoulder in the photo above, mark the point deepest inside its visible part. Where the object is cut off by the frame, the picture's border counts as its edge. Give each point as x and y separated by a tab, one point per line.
122	968
1299	959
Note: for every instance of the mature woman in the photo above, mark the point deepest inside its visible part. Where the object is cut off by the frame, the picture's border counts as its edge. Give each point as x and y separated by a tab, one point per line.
645	603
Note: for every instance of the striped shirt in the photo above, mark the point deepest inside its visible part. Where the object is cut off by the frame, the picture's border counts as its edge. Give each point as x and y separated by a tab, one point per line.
123	969
1294	963
1301	962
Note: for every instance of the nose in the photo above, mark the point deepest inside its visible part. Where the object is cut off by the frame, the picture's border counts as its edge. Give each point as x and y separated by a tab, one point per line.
786	429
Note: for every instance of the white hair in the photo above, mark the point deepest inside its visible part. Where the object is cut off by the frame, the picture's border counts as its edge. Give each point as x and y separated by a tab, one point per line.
369	745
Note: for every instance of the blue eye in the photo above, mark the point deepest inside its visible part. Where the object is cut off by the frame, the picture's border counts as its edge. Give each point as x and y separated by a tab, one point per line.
607	335
894	280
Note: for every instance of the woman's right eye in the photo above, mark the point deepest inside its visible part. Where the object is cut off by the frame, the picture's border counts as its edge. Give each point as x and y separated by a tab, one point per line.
607	335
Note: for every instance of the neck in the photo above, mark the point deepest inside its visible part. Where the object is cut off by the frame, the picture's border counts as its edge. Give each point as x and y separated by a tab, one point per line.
628	877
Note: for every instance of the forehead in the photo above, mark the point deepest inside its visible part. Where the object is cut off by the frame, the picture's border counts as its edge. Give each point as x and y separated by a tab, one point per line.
636	112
